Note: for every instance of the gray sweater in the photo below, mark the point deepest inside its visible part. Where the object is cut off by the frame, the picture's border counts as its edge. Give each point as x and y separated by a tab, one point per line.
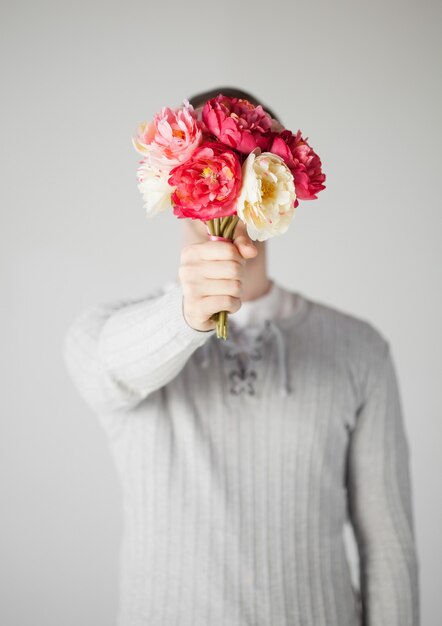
240	462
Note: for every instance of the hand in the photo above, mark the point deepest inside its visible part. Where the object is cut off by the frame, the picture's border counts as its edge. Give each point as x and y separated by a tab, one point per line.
211	274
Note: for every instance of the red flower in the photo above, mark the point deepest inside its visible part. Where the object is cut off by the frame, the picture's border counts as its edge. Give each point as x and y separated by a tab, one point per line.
237	123
208	184
302	161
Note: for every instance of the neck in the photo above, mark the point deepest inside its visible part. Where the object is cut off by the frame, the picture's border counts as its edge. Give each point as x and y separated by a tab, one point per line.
256	281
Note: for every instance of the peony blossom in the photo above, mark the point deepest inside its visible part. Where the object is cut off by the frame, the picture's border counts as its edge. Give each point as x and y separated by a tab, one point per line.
266	203
207	185
303	162
170	138
238	123
154	188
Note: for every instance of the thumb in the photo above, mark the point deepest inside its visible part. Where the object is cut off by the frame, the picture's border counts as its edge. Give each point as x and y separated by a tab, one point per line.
243	242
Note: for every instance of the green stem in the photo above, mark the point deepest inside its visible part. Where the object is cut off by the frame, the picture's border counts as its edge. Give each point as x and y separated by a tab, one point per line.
222	227
231	227
225	221
210	227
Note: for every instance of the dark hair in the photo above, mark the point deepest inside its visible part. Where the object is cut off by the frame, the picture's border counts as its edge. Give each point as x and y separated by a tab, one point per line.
199	98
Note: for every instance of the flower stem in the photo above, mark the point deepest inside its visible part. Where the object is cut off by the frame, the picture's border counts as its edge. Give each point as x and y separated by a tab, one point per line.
210	227
222	227
231	227
224	222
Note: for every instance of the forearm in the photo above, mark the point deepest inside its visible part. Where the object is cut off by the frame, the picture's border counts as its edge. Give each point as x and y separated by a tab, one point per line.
380	503
389	567
120	353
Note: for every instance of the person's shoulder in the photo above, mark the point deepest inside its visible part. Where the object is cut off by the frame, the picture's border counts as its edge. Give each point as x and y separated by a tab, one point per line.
356	332
351	340
98	311
150	294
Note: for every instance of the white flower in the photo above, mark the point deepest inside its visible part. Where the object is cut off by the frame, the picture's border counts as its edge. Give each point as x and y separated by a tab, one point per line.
153	186
267	196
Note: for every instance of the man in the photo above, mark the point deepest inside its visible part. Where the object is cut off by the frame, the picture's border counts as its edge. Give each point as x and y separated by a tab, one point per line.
241	460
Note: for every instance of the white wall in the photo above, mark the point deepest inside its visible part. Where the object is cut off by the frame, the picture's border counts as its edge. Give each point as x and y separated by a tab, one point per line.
360	79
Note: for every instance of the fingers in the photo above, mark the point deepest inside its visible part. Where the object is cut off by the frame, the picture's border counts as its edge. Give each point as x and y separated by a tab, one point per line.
222	269
203	308
211	274
212	251
219	287
243	241
202	270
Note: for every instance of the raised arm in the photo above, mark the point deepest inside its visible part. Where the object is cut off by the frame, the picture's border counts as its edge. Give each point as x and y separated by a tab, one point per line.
381	503
118	354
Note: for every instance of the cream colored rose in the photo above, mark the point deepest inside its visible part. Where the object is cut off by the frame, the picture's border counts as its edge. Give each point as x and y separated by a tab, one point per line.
155	189
266	199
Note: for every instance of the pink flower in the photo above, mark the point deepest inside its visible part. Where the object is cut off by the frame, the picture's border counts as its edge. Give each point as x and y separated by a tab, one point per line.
170	138
208	184
237	123
302	161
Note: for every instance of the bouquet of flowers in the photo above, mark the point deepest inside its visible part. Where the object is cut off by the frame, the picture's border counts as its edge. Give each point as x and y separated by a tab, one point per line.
231	162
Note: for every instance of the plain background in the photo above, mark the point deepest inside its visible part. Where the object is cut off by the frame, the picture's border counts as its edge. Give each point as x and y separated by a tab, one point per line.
362	82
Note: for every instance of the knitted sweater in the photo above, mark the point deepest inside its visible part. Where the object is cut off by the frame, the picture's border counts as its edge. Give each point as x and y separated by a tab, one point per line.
241	460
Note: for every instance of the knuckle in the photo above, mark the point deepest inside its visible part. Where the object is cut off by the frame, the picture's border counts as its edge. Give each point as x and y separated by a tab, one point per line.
231	252
187	252
231	303
184	252
236	270
237	288
236	304
183	272
187	290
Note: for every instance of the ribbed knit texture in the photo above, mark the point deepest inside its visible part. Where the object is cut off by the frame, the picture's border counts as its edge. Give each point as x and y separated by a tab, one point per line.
234	495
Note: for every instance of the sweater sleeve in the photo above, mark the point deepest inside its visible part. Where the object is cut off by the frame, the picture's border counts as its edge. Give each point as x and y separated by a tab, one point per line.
119	353
380	503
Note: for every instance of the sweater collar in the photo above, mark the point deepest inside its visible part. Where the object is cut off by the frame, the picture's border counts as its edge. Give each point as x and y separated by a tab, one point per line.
264	307
259	319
